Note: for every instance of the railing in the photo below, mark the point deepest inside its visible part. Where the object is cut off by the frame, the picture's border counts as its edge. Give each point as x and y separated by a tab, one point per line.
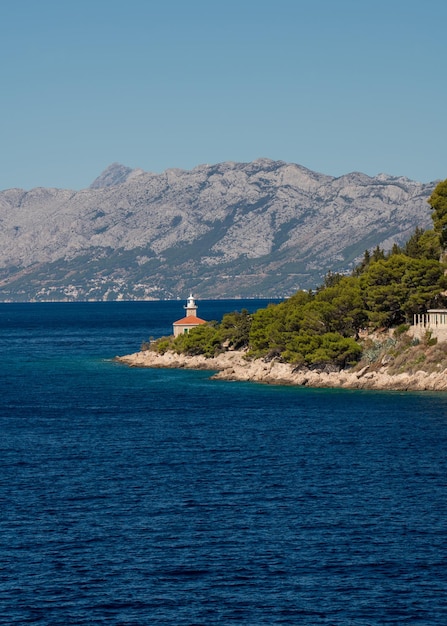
430	320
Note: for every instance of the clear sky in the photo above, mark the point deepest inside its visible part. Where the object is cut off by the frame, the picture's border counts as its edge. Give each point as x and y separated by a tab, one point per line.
334	85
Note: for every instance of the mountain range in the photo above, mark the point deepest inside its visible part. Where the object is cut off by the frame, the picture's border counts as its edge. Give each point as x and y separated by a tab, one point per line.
259	229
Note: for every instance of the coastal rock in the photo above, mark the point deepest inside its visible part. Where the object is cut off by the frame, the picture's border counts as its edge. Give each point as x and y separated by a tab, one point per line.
234	365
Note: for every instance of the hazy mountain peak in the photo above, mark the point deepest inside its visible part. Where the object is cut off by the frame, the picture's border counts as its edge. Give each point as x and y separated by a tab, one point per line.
114	174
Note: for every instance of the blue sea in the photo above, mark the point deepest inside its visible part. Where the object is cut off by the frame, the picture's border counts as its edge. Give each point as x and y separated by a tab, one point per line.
142	497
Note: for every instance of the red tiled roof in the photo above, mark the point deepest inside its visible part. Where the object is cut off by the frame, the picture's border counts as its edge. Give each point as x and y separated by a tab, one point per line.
191	320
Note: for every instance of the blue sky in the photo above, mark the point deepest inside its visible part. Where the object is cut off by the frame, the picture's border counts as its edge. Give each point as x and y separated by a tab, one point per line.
336	86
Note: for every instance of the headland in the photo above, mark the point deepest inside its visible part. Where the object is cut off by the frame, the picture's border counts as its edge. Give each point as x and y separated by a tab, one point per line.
235	365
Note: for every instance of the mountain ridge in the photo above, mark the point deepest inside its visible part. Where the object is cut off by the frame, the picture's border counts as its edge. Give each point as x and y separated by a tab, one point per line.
263	228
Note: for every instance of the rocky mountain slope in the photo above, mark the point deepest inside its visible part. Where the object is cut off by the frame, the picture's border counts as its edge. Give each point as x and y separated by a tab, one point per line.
265	228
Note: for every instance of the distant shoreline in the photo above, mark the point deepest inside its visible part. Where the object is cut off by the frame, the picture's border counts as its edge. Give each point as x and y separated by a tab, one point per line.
233	365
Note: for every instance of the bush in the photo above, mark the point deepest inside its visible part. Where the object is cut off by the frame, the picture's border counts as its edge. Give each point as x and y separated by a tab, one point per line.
235	329
204	339
401	329
161	345
322	350
429	340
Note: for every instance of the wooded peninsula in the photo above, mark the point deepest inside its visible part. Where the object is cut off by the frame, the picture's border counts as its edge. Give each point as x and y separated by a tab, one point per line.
350	324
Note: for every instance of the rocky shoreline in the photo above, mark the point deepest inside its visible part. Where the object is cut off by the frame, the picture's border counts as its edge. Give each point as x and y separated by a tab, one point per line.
233	365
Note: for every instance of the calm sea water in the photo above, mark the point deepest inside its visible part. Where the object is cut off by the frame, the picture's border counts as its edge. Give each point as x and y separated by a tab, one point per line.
137	496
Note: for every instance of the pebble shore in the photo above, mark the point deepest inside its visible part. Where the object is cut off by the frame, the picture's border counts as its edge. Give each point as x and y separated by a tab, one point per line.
233	365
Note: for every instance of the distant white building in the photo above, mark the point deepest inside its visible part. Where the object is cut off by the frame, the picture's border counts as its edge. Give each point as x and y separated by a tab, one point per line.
190	320
434	321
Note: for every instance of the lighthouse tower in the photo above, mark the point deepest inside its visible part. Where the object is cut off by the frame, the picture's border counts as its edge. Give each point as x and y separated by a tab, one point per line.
190	321
191	306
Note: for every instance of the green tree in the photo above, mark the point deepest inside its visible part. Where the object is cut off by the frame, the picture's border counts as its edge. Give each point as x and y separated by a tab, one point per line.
272	327
395	288
299	346
267	329
413	246
384	292
320	350
341	307
423	244
424	280
341	351
330	280
235	329
361	267
204	339
430	245
395	249
378	254
438	202
309	329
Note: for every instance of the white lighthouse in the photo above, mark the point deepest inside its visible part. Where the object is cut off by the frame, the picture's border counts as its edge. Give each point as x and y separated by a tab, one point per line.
191	306
190	321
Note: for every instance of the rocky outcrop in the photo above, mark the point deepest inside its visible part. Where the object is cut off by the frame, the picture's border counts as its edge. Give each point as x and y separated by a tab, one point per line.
260	229
235	366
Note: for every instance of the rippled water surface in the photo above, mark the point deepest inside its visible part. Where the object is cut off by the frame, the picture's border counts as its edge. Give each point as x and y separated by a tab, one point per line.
136	496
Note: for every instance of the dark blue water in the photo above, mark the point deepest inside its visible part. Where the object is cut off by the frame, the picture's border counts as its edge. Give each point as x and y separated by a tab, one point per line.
136	496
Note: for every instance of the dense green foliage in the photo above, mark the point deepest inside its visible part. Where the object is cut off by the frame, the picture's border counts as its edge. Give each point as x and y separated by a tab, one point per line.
205	339
396	288
438	202
311	329
235	329
321	328
384	291
423	245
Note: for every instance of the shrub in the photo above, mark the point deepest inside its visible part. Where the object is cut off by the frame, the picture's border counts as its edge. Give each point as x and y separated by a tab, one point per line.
401	329
161	345
204	339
